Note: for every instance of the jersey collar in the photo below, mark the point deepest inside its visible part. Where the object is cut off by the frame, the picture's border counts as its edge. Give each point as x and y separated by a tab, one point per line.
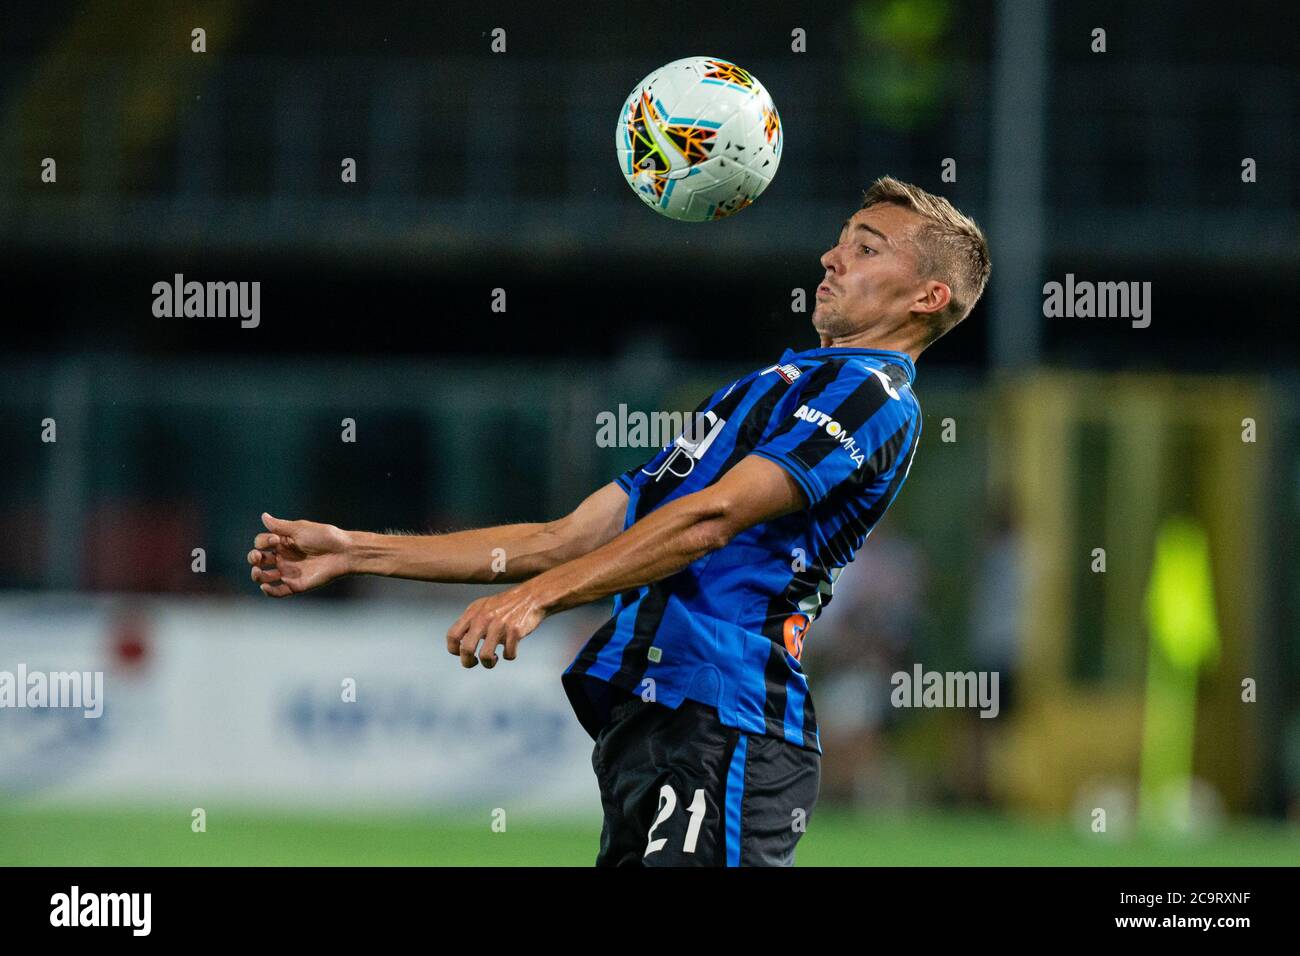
901	359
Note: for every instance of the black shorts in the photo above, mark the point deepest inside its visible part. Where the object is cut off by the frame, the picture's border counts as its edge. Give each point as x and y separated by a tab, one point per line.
681	789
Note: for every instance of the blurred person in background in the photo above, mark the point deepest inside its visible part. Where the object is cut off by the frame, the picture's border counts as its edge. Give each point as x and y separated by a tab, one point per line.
997	598
865	635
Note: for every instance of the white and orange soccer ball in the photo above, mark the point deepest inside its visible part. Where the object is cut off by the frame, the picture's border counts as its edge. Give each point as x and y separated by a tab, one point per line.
698	139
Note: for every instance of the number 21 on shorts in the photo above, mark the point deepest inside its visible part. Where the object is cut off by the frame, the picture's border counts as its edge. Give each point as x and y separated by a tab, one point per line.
667	804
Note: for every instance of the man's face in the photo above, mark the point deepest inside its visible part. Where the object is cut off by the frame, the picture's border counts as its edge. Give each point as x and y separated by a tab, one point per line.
871	278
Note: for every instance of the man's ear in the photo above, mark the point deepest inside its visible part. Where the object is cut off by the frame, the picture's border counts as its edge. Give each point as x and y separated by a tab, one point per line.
934	298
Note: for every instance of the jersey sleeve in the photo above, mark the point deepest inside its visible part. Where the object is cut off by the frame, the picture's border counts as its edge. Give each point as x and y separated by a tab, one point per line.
846	424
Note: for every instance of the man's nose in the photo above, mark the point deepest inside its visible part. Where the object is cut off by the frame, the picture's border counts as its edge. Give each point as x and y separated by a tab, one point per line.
831	260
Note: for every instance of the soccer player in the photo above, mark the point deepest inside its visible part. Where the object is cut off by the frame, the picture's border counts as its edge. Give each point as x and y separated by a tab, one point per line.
719	553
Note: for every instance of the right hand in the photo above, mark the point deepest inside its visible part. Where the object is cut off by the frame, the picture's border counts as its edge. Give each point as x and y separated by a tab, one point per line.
294	556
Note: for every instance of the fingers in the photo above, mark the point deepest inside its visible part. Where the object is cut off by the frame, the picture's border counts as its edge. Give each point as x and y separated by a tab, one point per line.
463	637
491	628
467	647
278	525
478	633
456	632
265	570
487	655
264	574
476	627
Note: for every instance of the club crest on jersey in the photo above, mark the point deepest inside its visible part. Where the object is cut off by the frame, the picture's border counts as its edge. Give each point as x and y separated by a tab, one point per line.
787	372
834	429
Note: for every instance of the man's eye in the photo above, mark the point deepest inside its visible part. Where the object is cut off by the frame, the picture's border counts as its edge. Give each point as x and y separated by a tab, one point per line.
866	249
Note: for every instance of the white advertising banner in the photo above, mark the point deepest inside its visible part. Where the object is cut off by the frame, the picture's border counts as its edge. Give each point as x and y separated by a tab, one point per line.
347	705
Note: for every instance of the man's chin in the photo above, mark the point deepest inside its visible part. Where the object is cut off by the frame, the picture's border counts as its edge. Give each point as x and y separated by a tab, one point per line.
822	318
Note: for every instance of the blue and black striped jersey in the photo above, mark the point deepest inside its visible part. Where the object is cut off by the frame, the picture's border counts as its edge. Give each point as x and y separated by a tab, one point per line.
729	629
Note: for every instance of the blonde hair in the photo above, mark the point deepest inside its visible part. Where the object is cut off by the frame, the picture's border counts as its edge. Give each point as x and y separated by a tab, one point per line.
950	247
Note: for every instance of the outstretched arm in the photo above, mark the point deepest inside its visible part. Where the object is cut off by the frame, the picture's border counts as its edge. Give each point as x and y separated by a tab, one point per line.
294	556
661	544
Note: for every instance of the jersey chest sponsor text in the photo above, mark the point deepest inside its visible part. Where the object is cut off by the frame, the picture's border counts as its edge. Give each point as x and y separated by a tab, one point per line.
834	429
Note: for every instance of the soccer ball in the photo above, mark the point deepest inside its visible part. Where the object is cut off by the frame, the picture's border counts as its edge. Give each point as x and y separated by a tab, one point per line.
698	139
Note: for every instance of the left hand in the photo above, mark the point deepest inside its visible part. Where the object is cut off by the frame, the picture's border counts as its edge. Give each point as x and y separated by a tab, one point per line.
502	619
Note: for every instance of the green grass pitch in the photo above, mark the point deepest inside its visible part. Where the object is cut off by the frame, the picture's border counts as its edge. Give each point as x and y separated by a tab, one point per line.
44	837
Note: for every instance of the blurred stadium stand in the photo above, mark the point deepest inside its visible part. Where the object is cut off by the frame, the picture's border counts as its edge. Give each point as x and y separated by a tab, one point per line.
474	165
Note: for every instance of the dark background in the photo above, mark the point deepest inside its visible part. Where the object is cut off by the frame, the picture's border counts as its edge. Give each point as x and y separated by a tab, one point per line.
1141	180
